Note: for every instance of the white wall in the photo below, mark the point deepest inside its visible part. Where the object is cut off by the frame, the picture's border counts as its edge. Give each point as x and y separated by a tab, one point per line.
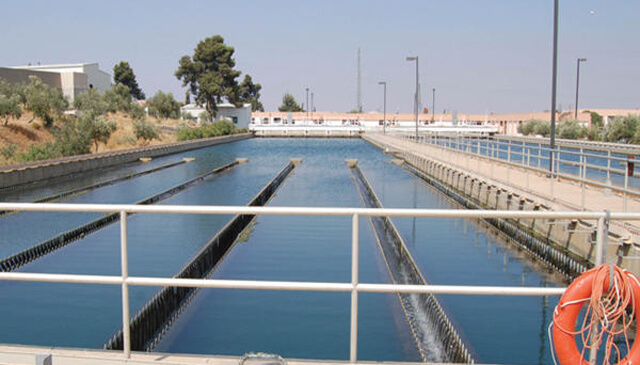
241	117
96	77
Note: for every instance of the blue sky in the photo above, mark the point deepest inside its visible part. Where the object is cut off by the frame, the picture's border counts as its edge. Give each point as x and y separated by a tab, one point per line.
480	55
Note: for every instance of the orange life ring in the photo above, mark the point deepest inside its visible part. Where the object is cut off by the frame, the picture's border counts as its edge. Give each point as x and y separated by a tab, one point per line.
565	316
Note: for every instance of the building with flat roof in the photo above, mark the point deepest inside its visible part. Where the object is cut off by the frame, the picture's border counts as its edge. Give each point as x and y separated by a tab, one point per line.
504	123
73	79
239	116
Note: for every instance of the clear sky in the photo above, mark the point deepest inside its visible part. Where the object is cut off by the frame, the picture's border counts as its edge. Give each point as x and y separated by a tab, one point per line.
481	56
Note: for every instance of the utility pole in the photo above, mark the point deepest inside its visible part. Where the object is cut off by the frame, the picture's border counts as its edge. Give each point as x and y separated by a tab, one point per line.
433	106
578	84
359	86
384	108
416	105
554	79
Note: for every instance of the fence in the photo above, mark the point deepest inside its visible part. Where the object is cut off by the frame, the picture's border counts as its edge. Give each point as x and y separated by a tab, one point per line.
354	287
583	163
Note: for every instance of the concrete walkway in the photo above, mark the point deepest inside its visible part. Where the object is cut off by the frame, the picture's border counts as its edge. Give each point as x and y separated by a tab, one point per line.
27	355
558	194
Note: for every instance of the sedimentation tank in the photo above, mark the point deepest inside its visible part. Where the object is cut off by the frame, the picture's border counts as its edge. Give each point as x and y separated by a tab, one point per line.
292	324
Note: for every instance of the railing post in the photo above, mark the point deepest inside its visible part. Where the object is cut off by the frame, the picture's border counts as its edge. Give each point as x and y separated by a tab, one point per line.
528	166
602	232
609	167
508	165
626	185
583	176
355	251
601	239
124	262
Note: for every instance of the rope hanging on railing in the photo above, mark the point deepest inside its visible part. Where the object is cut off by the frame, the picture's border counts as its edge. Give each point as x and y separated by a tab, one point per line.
612	296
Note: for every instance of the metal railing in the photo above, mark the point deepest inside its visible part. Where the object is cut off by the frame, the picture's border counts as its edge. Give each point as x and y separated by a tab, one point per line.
354	287
581	164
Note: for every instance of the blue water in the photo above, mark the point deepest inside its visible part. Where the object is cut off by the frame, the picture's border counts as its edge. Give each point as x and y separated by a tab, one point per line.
302	325
293	324
14	238
158	246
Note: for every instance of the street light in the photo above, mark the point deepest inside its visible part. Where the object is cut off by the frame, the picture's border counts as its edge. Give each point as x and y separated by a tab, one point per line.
578	84
307	121
415	106
554	78
433	106
384	108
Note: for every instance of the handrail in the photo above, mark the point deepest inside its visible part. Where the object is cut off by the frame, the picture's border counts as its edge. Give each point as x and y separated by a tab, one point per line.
495	149
355	287
314	211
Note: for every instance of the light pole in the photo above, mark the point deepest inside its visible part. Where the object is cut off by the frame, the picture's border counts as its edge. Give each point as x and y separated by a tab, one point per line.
415	106
384	107
307	121
554	78
578	84
433	106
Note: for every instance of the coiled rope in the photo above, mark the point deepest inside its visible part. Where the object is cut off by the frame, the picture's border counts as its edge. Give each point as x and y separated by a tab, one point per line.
612	296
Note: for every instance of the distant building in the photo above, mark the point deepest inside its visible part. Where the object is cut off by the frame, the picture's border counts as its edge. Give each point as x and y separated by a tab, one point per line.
506	124
73	79
239	116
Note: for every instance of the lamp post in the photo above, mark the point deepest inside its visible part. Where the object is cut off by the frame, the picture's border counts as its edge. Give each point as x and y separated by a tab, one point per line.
578	83
384	107
554	78
307	121
415	106
433	106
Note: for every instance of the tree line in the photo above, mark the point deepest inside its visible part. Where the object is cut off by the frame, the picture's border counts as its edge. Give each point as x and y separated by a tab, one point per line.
623	129
74	133
209	75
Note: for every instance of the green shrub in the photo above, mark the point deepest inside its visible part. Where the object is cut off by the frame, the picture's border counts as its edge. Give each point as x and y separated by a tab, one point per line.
622	129
73	138
43	101
220	128
571	129
91	102
8	151
164	106
136	112
39	152
118	98
145	131
9	108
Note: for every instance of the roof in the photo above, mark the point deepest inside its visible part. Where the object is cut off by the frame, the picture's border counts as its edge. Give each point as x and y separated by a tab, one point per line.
63	65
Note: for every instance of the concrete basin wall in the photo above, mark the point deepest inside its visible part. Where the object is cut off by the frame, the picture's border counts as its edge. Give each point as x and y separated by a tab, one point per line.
21	174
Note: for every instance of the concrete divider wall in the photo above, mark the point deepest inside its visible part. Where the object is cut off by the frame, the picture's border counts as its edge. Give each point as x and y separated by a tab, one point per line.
36	171
568	246
151	323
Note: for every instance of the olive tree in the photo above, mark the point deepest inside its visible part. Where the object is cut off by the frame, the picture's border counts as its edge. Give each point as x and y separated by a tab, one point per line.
10	108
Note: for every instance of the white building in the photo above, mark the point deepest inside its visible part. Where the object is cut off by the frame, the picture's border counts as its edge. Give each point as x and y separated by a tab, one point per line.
241	117
75	78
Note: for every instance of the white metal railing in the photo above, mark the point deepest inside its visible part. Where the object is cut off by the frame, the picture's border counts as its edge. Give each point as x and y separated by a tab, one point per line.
522	155
354	287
